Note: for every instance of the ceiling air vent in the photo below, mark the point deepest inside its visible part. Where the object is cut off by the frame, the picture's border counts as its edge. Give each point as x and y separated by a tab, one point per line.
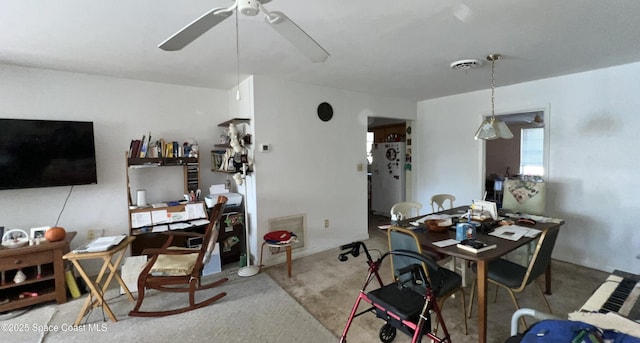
466	64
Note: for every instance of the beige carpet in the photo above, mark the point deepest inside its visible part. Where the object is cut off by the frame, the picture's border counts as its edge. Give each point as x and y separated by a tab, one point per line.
328	288
256	309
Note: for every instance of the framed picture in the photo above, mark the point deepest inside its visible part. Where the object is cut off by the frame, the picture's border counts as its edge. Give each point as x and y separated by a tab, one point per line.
38	232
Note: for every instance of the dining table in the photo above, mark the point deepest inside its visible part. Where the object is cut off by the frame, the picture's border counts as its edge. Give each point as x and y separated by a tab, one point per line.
503	246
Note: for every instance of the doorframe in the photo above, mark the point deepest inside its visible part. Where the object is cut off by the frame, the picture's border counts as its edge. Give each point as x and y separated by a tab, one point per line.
393	122
545	109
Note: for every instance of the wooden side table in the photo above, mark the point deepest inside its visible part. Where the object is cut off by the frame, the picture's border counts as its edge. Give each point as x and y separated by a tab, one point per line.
48	285
98	286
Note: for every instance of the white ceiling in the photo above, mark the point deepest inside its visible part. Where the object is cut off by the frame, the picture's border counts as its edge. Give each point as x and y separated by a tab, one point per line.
395	48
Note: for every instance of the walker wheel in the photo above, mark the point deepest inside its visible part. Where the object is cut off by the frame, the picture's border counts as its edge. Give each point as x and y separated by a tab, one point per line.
387	333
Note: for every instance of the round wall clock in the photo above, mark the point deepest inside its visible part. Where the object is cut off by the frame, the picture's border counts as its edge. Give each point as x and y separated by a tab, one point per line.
325	111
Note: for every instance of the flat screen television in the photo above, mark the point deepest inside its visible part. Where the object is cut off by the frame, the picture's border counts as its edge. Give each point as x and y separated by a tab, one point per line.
46	153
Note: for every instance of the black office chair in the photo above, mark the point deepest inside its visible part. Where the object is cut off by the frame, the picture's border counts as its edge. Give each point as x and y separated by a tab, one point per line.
515	277
444	282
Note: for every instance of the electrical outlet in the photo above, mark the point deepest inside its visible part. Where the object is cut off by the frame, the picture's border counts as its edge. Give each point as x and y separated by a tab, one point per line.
326	223
94	233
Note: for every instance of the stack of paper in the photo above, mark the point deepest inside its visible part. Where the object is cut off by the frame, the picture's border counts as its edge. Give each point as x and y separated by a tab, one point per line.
514	232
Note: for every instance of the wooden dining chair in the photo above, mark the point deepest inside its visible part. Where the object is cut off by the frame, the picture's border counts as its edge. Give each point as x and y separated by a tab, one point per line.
439	200
408	209
177	269
444	282
515	277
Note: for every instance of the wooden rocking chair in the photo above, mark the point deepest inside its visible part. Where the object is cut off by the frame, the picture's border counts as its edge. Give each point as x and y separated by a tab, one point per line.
174	269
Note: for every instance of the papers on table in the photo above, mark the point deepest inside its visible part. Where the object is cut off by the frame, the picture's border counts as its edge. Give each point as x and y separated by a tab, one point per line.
430	216
445	243
514	232
101	244
540	219
480	207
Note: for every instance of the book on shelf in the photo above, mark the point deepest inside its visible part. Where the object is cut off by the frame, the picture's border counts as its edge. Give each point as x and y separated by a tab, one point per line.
131	148
475	246
134	150
145	145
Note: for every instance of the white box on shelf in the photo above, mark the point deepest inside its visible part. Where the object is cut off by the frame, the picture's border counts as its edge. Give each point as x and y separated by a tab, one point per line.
233	199
217	189
214	265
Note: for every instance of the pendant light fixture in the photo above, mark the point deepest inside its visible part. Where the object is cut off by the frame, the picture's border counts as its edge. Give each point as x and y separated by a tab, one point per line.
237	59
492	128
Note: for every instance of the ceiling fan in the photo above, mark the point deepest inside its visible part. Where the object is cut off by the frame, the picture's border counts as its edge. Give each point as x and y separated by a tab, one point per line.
277	20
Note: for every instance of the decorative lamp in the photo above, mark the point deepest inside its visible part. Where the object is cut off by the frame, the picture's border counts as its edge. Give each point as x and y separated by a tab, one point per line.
492	128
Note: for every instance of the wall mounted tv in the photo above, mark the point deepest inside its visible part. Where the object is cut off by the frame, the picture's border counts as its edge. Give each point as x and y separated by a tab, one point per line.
46	153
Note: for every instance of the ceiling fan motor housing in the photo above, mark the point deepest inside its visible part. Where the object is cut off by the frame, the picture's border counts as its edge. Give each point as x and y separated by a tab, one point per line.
249	7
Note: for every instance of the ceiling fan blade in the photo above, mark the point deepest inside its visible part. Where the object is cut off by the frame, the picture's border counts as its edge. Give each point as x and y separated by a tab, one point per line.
195	29
294	34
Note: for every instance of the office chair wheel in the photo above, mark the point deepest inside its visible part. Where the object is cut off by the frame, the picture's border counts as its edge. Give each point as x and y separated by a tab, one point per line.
387	333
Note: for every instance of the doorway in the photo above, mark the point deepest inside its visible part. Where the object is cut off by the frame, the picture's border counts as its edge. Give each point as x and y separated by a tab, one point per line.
386	153
524	154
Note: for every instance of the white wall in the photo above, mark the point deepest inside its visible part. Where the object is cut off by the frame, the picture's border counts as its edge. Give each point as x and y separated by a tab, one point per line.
312	166
121	110
593	159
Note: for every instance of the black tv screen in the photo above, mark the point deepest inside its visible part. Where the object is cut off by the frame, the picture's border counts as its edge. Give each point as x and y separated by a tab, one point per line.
46	153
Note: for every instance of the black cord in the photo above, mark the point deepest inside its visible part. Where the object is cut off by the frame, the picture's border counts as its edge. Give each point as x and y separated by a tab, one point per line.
64	205
91	307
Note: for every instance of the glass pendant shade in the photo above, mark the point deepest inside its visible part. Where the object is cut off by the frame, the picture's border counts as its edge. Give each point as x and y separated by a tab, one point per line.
502	129
486	131
492	128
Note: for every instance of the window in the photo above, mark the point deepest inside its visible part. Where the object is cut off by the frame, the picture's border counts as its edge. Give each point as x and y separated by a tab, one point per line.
532	151
369	146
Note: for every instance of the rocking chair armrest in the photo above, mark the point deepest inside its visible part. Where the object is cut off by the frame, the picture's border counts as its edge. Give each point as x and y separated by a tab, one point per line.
161	251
